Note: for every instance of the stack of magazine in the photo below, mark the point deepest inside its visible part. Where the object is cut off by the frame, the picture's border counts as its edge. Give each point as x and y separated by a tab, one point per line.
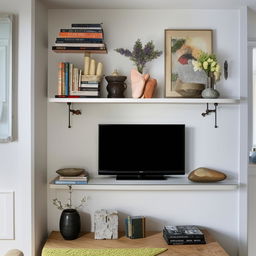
175	235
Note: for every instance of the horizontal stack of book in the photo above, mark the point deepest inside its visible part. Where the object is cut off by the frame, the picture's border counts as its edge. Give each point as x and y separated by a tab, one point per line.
175	235
82	179
135	227
88	37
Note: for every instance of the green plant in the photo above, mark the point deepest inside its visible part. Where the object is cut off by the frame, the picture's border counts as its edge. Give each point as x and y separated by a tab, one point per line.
140	55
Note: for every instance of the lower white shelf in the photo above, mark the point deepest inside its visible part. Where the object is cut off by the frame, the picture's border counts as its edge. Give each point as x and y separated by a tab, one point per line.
170	184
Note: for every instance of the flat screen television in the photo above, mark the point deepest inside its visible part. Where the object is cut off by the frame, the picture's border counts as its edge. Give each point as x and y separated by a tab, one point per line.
141	151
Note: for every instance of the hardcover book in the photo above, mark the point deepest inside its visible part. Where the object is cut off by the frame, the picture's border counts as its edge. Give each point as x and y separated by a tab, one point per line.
184	232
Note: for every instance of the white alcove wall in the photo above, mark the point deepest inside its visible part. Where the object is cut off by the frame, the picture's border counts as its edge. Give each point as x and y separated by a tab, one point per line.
205	145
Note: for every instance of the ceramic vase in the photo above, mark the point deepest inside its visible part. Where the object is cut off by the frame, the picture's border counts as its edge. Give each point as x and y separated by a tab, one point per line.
70	224
209	92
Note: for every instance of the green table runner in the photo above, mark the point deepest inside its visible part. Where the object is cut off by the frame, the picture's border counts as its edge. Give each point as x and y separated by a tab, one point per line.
103	252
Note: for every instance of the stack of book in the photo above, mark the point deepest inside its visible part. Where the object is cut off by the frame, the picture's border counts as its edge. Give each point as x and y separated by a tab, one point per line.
135	227
88	37
88	89
72	180
175	235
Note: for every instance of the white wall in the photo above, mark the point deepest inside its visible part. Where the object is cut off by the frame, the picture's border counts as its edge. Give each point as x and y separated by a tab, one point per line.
205	145
15	157
40	126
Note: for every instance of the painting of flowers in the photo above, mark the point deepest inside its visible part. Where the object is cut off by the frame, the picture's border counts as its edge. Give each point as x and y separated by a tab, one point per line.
182	47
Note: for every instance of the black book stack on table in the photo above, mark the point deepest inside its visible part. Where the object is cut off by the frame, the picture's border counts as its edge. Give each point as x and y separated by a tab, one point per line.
180	235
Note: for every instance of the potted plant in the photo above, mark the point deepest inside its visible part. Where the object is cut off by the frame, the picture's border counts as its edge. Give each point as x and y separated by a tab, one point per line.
209	64
142	84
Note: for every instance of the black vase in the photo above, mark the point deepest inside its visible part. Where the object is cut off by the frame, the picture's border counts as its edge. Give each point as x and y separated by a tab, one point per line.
70	224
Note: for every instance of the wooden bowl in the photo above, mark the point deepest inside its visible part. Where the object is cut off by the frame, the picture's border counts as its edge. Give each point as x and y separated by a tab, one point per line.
190	90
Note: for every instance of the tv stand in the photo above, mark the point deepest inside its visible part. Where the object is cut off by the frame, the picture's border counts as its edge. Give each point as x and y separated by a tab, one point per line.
140	177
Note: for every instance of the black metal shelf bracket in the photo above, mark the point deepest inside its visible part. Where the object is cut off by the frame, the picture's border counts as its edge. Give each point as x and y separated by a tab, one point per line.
209	111
73	111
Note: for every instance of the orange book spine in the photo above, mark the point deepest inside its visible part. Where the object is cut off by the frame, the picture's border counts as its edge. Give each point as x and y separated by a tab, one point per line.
80	35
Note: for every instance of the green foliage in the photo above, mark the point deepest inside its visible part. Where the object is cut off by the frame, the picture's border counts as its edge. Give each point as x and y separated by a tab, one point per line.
140	55
177	44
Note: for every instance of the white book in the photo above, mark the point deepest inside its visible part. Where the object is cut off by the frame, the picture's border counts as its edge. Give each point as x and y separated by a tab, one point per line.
80	44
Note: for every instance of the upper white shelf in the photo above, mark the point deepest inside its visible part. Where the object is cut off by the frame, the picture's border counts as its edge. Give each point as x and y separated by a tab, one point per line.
145	101
170	184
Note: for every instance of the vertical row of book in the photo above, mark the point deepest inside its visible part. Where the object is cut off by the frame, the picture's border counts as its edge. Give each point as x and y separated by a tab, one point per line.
81	37
69	78
72	85
135	227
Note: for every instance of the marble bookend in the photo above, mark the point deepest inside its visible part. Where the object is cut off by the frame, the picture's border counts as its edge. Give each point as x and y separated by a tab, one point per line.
106	224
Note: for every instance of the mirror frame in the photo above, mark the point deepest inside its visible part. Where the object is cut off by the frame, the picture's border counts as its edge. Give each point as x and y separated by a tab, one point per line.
6	99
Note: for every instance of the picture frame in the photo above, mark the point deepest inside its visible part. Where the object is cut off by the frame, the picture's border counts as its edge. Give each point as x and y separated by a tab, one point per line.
181	47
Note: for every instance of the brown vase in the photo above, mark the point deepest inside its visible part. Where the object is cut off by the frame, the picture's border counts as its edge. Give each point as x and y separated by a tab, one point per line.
116	86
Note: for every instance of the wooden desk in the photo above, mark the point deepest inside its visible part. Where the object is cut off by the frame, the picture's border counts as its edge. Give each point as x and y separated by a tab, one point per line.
153	239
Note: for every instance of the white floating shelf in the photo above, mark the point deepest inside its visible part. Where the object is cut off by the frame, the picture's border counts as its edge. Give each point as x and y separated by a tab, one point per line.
145	101
171	184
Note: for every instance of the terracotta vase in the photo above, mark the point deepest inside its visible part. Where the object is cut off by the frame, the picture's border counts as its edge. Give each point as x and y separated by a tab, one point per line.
138	82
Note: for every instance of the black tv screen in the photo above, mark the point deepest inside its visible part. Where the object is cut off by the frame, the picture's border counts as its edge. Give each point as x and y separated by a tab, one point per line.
141	149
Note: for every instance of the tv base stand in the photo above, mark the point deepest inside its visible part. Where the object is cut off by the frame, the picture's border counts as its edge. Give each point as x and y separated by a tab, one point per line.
140	177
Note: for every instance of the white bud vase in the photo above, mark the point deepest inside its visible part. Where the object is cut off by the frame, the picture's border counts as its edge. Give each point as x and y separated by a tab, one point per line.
209	92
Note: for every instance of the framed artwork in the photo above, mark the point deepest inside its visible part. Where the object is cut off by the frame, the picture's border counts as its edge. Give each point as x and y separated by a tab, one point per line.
181	47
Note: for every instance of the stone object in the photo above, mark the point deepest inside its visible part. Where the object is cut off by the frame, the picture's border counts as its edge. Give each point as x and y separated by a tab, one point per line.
138	82
106	224
150	88
206	175
70	171
189	90
14	252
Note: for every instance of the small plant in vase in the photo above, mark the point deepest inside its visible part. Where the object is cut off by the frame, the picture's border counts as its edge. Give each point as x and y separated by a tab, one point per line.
142	84
70	224
209	64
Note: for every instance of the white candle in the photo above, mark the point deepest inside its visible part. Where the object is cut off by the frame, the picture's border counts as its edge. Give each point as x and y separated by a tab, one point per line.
99	69
86	65
92	67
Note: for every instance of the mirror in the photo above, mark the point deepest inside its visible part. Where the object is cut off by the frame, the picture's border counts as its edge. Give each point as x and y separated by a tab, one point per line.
5	78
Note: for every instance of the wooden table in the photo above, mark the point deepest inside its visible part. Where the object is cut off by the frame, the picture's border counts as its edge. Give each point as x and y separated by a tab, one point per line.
153	239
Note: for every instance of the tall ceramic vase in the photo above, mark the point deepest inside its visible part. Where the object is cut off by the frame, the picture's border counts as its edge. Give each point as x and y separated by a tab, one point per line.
70	224
209	92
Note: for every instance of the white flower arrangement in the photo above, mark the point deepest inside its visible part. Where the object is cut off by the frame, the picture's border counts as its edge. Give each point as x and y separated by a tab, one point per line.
208	63
60	206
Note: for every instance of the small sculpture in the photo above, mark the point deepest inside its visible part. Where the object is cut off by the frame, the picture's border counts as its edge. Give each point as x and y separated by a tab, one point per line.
150	88
206	175
106	224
